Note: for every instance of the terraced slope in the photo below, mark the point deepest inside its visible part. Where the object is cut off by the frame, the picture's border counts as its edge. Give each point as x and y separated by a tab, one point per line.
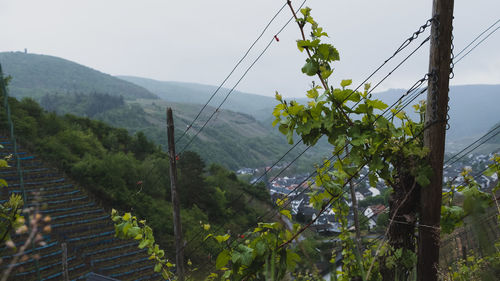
76	220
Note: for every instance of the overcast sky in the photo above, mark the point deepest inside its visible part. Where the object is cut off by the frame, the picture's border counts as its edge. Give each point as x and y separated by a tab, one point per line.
200	41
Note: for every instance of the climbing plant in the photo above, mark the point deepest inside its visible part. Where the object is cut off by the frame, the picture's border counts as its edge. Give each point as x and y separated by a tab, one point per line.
482	263
363	132
255	255
361	135
129	227
10	212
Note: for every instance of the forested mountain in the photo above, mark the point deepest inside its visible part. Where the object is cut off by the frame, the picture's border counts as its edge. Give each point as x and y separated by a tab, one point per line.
37	75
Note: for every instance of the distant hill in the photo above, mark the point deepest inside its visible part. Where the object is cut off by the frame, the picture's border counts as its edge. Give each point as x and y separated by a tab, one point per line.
241	135
181	92
232	139
473	108
37	75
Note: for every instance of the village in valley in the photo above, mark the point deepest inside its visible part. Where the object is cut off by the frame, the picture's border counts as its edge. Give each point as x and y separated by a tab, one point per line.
372	201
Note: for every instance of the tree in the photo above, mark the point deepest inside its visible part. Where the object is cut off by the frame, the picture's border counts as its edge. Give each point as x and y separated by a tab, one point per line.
191	168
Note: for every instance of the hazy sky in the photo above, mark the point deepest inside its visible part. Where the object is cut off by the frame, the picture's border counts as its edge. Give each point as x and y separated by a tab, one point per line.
200	41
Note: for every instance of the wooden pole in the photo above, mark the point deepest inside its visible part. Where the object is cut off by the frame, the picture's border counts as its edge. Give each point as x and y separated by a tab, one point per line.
179	247
434	139
65	273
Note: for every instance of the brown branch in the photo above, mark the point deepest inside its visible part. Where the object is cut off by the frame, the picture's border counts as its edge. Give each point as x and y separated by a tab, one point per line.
496	201
387	230
354	201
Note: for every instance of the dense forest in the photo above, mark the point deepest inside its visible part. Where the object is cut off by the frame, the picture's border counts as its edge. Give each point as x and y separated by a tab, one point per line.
130	173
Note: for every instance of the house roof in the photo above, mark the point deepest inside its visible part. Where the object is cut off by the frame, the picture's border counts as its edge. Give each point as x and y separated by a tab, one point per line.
377	209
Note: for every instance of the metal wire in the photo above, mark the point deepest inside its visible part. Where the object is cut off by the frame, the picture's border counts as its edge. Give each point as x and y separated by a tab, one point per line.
232	71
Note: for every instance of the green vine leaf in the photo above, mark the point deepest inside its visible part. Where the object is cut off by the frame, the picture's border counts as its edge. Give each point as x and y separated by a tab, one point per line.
311	67
222	259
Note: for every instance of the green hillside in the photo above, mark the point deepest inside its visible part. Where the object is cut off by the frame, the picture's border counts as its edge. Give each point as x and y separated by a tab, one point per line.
180	92
232	139
473	108
240	135
37	75
130	173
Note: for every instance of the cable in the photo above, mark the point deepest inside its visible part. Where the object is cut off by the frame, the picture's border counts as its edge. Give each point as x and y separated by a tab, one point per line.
411	99
403	46
473	143
232	71
399	49
394	69
340	196
397	67
472	42
242	193
479	43
225	98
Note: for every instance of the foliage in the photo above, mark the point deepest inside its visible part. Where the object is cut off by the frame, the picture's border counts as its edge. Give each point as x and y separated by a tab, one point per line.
382	221
256	255
10	217
353	122
475	201
476	266
128	227
81	104
381	199
13	220
10	212
234	139
130	173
